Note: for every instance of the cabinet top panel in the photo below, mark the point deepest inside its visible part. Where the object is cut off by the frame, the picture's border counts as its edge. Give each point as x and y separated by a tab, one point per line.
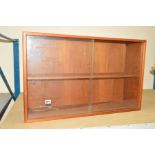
83	37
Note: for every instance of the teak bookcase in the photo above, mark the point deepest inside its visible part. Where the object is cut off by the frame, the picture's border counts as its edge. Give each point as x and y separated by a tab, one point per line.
70	76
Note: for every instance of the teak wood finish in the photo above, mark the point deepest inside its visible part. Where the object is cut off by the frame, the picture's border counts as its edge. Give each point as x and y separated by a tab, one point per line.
81	75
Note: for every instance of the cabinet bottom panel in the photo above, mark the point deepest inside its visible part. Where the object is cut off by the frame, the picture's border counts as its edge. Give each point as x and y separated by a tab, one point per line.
80	110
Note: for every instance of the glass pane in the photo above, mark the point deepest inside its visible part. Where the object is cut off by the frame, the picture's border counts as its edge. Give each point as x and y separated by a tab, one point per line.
114	94
57	98
48	56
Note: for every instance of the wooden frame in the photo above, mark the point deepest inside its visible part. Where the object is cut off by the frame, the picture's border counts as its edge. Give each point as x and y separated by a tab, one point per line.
114	66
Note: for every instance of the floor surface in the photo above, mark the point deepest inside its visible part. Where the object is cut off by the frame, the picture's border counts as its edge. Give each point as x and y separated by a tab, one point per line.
4	98
146	116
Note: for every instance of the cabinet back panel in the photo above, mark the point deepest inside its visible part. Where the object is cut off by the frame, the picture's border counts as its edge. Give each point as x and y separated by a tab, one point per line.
47	56
109	57
107	90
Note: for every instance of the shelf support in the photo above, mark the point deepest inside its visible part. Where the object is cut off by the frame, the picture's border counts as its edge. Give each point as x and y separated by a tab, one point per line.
5	38
154	80
7	84
16	68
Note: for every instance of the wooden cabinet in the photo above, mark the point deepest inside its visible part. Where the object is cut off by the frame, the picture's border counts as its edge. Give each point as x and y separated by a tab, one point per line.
70	76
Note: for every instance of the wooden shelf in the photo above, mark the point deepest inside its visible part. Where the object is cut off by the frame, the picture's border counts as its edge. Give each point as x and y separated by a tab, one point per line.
103	76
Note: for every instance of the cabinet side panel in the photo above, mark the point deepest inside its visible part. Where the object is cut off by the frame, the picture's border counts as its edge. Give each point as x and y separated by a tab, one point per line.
141	73
134	65
133	58
131	88
25	76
